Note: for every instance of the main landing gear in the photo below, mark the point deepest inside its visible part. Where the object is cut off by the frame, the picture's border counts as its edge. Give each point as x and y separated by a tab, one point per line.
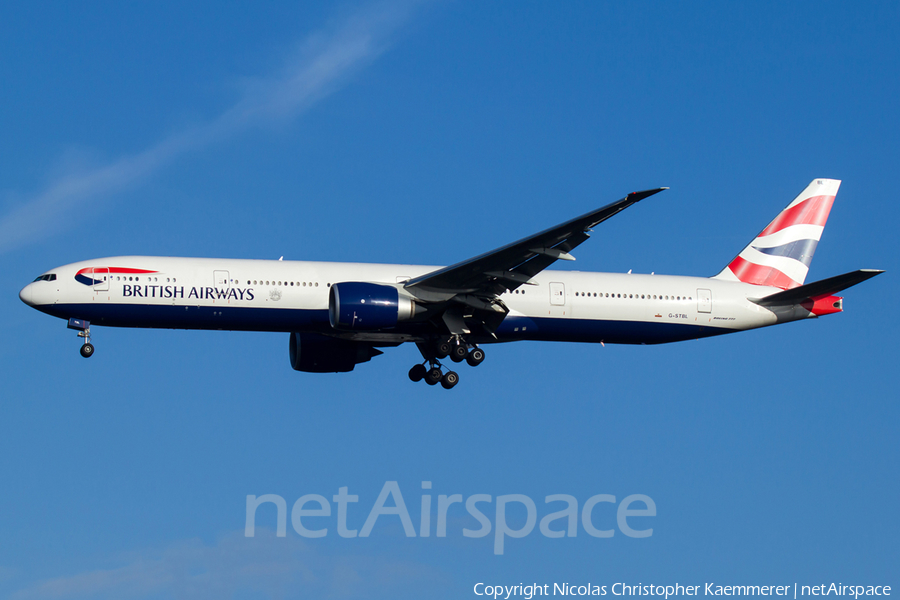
458	351
84	331
434	375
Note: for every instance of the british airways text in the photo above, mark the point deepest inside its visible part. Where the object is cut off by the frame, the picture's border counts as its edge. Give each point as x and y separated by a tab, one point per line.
174	291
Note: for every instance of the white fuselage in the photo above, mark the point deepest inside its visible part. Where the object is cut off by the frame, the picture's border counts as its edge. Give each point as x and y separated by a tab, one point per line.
289	296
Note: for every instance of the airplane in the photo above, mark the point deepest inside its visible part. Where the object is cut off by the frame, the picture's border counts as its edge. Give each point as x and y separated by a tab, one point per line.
338	315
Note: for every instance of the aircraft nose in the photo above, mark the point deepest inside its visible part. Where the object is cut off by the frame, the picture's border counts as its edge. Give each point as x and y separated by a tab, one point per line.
27	294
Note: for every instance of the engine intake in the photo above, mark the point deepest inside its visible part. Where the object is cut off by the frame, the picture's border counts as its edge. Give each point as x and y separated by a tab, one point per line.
363	306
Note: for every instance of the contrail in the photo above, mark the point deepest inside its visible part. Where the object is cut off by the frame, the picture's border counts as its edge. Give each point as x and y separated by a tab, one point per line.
320	66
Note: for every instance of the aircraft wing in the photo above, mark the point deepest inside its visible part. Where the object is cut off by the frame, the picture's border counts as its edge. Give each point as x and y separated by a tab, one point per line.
510	266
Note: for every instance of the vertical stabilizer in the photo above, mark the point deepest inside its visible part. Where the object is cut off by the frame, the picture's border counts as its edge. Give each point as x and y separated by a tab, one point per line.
780	255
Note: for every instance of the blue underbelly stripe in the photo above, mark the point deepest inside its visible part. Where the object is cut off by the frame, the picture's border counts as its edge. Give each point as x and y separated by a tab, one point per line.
600	330
286	320
154	316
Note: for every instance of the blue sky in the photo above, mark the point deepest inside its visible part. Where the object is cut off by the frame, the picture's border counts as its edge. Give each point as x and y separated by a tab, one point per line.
428	133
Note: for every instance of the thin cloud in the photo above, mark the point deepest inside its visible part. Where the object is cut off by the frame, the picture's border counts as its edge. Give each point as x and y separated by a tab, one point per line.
322	65
265	564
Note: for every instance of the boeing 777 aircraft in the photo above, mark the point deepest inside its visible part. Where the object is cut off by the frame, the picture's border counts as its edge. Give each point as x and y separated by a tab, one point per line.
340	314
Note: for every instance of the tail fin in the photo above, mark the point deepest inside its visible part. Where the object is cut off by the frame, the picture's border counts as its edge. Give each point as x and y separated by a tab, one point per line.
780	255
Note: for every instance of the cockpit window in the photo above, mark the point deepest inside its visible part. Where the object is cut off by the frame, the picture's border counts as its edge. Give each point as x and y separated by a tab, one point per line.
47	277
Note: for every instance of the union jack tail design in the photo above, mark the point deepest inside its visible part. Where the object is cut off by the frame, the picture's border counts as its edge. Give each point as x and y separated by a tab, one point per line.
781	253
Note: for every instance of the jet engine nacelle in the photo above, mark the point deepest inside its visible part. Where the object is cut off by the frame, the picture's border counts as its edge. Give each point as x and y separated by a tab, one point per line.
362	306
315	353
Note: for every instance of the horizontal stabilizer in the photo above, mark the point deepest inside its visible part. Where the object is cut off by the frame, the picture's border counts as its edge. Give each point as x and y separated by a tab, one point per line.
817	289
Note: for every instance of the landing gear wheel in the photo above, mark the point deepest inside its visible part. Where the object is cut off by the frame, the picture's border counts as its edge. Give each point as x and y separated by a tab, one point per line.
442	349
87	350
459	353
433	376
449	379
475	357
417	373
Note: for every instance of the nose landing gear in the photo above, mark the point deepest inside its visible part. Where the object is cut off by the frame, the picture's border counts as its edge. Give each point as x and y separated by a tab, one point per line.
87	349
84	331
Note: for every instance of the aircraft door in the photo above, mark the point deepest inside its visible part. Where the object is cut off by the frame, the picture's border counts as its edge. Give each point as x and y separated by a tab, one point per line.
557	299
221	279
704	301
100	275
557	294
